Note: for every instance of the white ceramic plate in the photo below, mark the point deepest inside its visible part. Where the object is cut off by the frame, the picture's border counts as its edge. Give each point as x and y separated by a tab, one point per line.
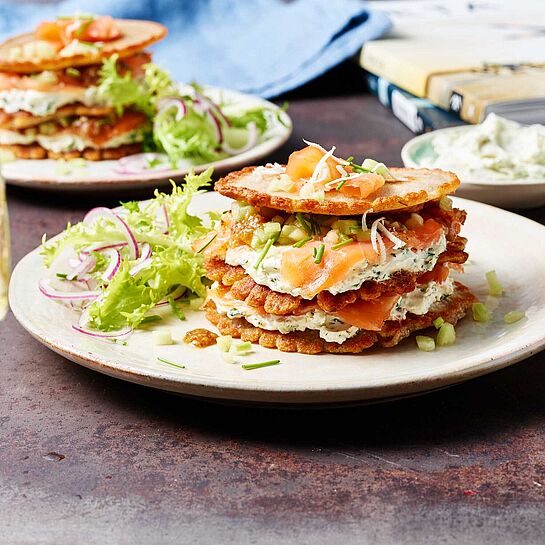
102	175
497	240
419	152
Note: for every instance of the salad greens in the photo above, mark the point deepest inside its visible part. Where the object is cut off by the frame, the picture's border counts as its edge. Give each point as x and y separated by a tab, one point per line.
166	269
185	123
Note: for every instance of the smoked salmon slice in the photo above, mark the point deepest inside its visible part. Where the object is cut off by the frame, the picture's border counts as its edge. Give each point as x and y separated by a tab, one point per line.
301	164
369	315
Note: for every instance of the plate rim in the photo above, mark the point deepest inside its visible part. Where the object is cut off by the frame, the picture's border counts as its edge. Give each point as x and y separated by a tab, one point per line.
324	391
137	181
425	138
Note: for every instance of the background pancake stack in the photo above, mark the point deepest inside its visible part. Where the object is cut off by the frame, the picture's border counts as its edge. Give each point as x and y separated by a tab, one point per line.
50	102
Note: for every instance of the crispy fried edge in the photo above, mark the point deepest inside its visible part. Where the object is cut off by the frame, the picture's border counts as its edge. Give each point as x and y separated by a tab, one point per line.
152	34
35	151
228	186
309	342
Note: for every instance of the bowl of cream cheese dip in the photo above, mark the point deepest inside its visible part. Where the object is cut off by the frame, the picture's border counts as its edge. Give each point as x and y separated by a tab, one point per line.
499	162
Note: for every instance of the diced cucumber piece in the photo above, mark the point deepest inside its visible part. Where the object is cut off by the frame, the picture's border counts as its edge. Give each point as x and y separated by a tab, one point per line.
513	316
424	343
438	322
446	335
162	337
259	238
445	203
494	286
224	342
272	229
369	164
480	312
346	227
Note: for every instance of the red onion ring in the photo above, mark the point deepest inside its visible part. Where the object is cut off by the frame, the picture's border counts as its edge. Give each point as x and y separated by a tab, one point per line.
139	163
144	264
253	136
113	265
84	266
103	212
45	288
82	328
100	247
168	102
212	105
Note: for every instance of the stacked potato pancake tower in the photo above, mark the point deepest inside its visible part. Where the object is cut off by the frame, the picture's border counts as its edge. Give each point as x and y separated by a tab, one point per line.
50	106
324	255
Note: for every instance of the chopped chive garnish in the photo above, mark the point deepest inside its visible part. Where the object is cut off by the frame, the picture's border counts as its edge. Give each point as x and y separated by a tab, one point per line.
344	242
301	243
61	275
208	243
152	318
340	184
176	309
304	223
250	366
163	360
264	252
318	253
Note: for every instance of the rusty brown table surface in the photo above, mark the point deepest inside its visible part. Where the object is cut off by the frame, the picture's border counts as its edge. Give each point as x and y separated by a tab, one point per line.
88	459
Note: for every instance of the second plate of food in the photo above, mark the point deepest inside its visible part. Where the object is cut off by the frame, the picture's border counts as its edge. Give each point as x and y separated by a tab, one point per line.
494	243
149	170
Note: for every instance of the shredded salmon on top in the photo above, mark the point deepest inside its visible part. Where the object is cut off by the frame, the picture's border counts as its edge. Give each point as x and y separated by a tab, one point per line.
86	29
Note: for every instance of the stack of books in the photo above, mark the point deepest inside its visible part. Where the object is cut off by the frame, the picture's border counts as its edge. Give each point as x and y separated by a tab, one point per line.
457	74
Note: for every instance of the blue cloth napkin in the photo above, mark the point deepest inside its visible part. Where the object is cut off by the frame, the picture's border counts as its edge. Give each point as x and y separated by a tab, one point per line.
265	47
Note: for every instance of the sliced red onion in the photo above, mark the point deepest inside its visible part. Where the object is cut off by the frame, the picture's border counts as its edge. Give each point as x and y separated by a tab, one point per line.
140	266
113	266
216	124
173	102
83	328
253	136
45	287
139	163
83	267
145	251
102	212
210	104
101	246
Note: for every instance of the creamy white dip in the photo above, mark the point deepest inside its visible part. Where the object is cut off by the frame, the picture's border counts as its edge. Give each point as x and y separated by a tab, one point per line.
496	150
331	328
268	273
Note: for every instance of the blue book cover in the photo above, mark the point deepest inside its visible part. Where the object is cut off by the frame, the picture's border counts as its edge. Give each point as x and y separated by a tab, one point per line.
418	114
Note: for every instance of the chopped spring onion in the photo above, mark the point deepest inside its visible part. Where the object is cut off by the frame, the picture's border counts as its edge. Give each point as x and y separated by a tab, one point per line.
305	224
207	244
152	318
424	343
178	312
339	186
318	253
480	312
438	322
162	337
250	366
264	252
163	360
446	335
513	316
494	286
224	342
301	243
343	242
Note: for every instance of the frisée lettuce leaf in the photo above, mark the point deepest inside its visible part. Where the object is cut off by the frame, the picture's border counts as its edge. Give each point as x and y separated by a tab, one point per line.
166	234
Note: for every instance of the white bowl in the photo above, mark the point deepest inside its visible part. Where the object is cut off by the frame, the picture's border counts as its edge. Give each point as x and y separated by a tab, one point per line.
418	152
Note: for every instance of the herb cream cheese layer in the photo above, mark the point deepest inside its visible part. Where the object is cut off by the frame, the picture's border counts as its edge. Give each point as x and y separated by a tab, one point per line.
496	150
65	142
41	103
331	328
269	271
